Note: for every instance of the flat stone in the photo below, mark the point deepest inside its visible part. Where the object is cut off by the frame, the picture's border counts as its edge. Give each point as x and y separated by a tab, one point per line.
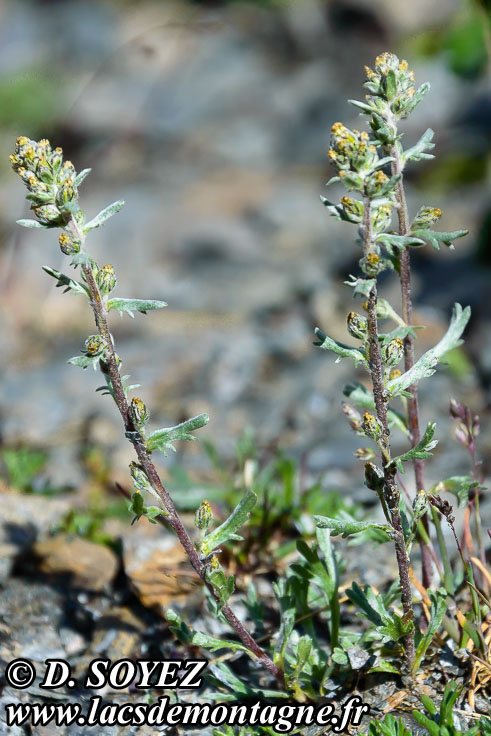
90	565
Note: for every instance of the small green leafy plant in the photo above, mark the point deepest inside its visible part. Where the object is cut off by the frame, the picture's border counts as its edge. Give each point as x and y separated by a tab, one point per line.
443	721
311	652
371	164
52	185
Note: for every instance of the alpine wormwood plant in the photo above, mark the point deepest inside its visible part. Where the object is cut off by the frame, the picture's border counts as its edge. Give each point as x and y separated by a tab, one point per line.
371	164
53	193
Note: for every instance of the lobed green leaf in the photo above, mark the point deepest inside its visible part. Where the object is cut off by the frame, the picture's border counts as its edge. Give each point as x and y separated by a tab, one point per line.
86	361
228	530
67	282
163	439
418	151
426	365
435	238
342	351
421	451
340	526
134	305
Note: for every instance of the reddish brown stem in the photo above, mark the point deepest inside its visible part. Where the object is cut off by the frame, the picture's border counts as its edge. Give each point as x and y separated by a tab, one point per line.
391	491
407	309
145	460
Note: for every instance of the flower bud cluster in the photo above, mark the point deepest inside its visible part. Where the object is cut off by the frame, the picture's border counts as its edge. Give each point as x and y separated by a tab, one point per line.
355	156
372	264
138	413
105	279
68	245
203	516
420	504
353	209
139	477
372	426
381	217
393	352
351	149
374	477
426	217
95	345
390	81
50	181
357	326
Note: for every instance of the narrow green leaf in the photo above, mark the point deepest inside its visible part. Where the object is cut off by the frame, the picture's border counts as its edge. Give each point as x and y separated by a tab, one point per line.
103	215
390	626
332	581
390	85
179	628
421	451
337	211
398	241
163	439
426	365
367	109
85	361
382	162
67	282
435	238
432	727
199	639
228	530
81	176
437	612
383	665
338	526
34	224
361	287
418	151
342	351
134	305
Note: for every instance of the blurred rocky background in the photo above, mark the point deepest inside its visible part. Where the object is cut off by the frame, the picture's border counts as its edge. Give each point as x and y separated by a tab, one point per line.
212	120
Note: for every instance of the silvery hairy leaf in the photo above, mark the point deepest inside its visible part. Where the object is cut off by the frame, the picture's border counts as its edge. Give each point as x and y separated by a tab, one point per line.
67	282
342	351
35	224
421	451
345	528
134	305
163	439
180	629
103	215
228	530
435	238
426	365
418	151
85	361
81	176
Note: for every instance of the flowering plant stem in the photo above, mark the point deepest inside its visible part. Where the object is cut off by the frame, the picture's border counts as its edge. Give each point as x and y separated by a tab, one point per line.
391	495
100	316
407	315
